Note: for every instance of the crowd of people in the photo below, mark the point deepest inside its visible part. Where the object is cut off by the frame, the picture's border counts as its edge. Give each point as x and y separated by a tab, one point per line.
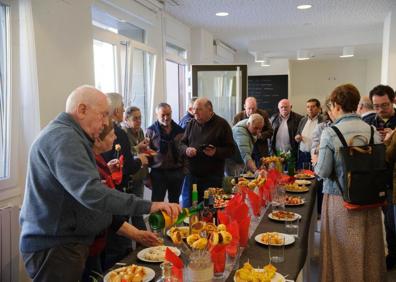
88	168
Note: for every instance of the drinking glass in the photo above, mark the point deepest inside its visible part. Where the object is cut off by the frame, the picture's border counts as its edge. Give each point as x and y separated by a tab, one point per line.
278	196
277	252
292	227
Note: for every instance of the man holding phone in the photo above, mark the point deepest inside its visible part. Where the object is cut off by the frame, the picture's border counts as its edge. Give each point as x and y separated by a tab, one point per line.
206	143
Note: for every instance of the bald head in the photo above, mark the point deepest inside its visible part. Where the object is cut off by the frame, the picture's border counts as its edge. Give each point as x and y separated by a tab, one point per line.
284	107
365	105
89	107
250	106
203	110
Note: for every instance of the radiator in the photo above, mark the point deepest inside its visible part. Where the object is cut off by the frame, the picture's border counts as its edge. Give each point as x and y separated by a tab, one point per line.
9	241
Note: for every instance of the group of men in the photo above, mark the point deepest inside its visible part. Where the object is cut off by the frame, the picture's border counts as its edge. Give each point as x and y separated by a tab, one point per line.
66	204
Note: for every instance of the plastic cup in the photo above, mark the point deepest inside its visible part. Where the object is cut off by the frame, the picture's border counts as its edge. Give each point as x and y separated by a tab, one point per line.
292	227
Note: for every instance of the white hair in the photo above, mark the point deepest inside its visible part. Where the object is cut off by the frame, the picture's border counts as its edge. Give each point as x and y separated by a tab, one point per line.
254	118
115	101
83	94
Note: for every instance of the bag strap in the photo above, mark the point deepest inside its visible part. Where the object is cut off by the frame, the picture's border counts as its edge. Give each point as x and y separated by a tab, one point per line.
372	135
340	136
343	141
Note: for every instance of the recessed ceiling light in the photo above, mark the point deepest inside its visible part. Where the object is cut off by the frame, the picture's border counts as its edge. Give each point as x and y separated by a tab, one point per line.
304	6
222	14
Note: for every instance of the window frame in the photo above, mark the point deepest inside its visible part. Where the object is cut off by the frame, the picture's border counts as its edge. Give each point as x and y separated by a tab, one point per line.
8	186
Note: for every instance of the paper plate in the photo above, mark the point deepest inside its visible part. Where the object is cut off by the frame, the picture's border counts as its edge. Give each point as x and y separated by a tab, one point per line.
277	277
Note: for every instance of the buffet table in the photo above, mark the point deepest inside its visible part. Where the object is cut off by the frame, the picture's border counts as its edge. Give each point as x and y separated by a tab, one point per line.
297	255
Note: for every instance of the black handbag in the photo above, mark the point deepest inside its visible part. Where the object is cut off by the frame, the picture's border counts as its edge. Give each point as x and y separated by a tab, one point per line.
365	181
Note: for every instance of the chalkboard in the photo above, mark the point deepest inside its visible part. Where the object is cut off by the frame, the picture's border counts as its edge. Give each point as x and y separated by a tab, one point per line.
268	90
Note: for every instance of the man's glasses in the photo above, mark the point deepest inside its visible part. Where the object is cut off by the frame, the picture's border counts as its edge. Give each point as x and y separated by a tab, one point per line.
383	106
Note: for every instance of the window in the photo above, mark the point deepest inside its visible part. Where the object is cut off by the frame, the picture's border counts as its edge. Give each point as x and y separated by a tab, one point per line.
5	90
123	64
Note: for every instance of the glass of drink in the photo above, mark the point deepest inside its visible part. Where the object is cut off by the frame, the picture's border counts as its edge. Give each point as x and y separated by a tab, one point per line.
277	251
292	227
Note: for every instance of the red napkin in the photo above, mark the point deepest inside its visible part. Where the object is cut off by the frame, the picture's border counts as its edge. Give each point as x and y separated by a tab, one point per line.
244	231
274	175
223	217
241	212
117	175
218	254
307	171
177	269
232	248
255	202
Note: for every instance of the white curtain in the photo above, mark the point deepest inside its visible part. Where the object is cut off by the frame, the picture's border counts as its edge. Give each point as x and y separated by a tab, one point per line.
29	106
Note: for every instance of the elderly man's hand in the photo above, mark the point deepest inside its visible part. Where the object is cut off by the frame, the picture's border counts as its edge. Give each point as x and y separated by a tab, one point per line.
191	152
298	138
147	238
143	159
171	209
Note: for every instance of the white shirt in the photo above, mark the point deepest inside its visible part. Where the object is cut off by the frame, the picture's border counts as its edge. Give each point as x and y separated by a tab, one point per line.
306	134
282	136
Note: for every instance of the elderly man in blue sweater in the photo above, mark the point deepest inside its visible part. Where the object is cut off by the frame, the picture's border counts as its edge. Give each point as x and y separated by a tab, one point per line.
66	205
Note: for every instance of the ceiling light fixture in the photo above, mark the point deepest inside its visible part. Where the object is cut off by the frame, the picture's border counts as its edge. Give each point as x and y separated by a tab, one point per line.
266	63
259	57
347	52
302	55
222	14
304	6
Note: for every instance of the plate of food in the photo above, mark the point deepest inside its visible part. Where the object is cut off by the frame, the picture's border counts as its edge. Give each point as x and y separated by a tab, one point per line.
267	273
294	201
184	231
220	202
295	188
304	176
283	216
303	182
155	254
248	175
274	238
130	273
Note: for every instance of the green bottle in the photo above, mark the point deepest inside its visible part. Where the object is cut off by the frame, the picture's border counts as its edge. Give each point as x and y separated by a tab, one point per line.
160	220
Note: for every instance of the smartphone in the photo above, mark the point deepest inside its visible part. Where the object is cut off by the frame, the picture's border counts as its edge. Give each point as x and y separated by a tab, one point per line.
204	146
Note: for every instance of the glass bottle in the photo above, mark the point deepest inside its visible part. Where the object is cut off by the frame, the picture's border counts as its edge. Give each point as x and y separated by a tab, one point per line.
160	220
207	214
194	197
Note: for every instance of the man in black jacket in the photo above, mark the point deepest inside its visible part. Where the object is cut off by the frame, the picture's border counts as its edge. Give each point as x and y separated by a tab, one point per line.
285	124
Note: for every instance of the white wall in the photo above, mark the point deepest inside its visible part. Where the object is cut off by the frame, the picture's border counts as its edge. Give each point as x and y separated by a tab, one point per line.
317	78
63	34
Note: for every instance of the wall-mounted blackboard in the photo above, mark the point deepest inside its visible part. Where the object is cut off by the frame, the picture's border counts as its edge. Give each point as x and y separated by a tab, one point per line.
268	90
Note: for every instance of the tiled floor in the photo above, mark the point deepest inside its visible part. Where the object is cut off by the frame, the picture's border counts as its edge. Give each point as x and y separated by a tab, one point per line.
315	262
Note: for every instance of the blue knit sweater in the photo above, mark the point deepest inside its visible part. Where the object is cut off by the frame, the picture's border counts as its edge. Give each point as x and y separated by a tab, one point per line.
65	201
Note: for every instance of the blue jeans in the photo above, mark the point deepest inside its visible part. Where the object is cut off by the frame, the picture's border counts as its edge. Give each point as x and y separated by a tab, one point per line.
203	183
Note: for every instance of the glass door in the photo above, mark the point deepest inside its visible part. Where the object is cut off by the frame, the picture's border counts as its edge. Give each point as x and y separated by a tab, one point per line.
224	85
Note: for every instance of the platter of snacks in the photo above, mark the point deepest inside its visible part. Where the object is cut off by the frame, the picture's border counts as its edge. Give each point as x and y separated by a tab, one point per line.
251	183
216	191
295	188
284	216
294	201
130	273
184	231
273	238
248	175
220	202
155	254
303	182
304	176
268	273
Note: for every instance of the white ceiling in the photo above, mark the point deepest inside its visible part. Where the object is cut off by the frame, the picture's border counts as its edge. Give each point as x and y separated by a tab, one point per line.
278	29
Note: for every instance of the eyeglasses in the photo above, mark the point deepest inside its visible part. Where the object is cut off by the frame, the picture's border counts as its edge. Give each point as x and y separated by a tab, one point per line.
135	118
383	106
